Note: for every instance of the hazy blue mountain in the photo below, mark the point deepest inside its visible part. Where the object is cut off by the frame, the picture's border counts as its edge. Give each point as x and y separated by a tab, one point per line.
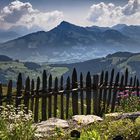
69	43
132	31
7	35
5	58
119	27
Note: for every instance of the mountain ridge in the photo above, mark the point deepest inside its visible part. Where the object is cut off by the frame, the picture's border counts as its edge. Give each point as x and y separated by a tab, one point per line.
68	42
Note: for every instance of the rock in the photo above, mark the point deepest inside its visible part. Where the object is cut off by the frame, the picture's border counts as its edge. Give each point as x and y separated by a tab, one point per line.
131	115
112	115
46	128
86	119
52	123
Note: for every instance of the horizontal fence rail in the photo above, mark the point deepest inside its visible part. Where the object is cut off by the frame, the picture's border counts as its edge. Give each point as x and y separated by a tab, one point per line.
92	94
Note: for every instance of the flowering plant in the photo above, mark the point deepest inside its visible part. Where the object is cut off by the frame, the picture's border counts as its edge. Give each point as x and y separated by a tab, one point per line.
15	126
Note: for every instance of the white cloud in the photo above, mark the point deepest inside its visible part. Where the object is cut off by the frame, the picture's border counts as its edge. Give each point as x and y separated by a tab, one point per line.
108	14
20	13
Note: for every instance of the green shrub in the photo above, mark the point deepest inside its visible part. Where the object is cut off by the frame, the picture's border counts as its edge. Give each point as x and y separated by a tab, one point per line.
15	126
92	135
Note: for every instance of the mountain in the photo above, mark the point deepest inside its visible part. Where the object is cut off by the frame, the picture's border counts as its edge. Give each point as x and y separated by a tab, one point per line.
119	61
133	31
7	35
5	58
119	27
69	43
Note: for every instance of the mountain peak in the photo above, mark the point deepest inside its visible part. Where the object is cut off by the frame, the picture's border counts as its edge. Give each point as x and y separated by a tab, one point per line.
65	24
119	26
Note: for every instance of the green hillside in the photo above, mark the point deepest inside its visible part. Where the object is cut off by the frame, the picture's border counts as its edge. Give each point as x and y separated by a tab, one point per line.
10	70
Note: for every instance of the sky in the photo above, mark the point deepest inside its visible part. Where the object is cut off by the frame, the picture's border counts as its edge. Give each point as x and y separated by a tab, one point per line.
47	14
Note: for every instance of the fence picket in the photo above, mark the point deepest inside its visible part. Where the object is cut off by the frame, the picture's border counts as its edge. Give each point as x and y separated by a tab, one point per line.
32	95
62	98
55	96
81	94
67	96
44	98
137	86
19	90
88	93
105	93
1	94
37	100
95	94
27	95
74	93
50	97
9	92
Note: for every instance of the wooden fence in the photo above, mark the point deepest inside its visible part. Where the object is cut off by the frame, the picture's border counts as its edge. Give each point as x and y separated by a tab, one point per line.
96	94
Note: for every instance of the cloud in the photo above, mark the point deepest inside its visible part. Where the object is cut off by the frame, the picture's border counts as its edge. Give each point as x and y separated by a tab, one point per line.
109	14
23	14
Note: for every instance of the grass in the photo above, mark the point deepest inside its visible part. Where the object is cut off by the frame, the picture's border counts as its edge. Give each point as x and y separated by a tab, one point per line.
10	70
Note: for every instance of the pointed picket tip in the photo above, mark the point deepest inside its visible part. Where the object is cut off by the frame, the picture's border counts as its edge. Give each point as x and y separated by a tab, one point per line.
74	74
117	78
56	84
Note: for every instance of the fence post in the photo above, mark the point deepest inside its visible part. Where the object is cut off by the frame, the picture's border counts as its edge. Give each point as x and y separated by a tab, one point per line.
19	92
137	86
95	94
37	100
74	93
50	97
115	93
126	77
9	92
44	92
32	95
55	96
81	93
67	96
88	93
62	99
27	95
110	90
1	94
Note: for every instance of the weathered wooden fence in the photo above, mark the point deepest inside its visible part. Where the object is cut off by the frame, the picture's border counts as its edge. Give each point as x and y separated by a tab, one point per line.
96	94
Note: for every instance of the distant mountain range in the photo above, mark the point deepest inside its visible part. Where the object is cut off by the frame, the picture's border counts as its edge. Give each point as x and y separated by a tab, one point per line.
69	43
7	35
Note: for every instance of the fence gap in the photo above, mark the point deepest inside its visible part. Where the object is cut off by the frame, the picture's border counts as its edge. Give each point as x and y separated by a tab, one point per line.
115	92
110	90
